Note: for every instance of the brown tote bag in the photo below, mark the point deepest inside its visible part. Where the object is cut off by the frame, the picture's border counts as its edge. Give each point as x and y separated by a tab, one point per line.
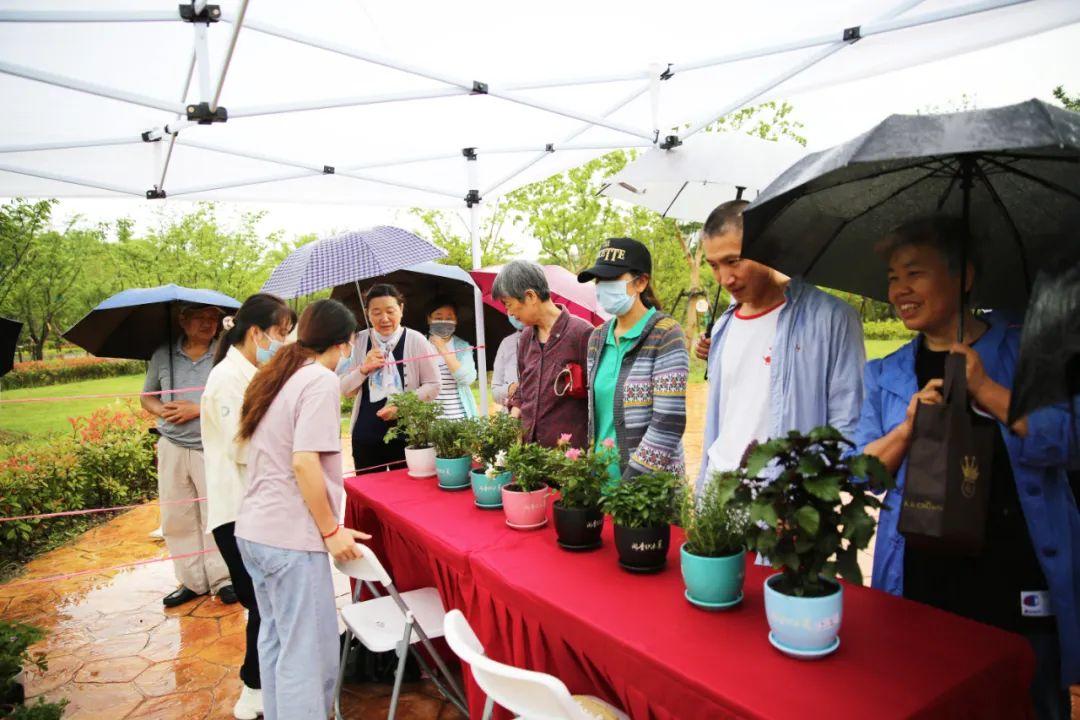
948	474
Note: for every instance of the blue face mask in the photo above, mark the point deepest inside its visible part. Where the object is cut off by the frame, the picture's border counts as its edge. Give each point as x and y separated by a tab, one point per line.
345	362
263	355
518	325
611	294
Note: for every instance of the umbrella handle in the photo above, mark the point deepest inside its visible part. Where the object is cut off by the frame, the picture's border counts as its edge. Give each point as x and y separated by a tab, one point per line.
363	308
712	319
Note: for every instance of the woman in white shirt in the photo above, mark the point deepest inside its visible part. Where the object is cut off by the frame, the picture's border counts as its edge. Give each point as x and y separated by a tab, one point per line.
251	338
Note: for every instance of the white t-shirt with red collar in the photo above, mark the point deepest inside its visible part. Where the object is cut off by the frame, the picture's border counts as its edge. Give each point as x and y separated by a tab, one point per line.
745	364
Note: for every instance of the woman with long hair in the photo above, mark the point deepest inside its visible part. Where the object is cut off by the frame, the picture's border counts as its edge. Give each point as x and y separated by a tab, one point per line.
251	337
289	517
382	368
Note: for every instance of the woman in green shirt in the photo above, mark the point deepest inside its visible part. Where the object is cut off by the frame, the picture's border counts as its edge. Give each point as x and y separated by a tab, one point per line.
637	364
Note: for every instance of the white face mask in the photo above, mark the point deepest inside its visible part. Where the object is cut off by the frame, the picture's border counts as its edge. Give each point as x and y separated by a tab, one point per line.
612	296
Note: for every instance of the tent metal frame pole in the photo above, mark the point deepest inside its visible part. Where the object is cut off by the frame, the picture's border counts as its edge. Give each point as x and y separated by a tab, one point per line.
88	87
472	181
623	102
471	85
302	106
229	54
571	82
88	16
202	59
172	133
794	70
70	144
71	180
317	169
280	177
875	27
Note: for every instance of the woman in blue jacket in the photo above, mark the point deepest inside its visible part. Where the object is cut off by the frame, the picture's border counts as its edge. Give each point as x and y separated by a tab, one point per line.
1027	578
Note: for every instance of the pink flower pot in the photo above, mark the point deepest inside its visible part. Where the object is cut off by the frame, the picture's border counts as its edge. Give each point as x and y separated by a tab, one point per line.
525	510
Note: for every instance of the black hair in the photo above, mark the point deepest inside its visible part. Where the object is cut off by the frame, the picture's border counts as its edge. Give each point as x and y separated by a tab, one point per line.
724	218
946	234
438	302
383	290
261	310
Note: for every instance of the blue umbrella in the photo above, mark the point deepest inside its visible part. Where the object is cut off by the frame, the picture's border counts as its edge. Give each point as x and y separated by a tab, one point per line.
134	323
347	258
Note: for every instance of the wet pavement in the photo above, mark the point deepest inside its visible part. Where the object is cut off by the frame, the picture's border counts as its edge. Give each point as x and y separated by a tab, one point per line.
115	652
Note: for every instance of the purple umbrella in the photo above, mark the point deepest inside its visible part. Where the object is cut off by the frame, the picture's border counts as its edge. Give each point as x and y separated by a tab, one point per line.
347	258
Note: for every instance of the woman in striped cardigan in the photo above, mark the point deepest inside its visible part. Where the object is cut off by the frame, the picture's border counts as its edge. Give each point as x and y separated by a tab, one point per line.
637	366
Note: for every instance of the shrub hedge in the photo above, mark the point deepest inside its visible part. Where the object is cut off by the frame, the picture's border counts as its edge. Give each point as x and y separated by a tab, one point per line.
53	372
886	330
107	460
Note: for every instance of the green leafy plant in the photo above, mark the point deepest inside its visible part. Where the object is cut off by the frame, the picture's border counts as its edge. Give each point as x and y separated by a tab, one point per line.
414	419
15	641
809	502
533	466
452	438
646	501
713	527
492	439
582	475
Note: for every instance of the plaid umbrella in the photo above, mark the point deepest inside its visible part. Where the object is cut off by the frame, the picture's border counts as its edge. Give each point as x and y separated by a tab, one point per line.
347	258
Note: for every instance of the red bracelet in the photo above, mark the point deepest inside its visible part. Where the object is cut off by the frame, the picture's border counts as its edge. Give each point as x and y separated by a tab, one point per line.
332	533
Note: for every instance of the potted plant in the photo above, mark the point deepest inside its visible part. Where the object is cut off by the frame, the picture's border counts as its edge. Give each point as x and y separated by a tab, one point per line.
492	437
414	420
809	502
642	510
581	475
525	498
15	641
453	452
713	558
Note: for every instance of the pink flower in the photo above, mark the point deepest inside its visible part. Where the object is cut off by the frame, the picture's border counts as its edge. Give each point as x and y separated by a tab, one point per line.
565	439
608	443
573	454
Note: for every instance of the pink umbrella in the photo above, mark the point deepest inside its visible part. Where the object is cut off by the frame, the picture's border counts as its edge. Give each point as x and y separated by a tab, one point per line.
579	298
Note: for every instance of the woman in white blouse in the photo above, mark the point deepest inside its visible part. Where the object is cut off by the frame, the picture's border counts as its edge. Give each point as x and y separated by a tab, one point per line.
251	338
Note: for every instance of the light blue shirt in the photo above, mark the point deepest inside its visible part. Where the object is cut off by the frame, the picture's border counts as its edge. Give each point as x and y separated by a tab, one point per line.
816	371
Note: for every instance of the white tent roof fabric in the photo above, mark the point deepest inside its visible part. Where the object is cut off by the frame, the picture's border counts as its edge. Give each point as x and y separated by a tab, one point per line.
390	105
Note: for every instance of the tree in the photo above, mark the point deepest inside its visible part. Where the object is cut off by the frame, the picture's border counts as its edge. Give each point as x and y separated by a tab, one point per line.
20	224
1071	102
49	291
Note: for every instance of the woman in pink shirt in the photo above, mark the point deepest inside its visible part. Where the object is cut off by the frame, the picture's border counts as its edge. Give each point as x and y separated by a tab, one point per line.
289	517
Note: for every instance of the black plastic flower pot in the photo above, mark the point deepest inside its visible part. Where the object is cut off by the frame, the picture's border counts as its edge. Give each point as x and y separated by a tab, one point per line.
578	528
643	550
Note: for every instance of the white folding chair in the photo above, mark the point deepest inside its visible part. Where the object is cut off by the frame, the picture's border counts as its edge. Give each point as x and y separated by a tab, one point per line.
532	695
394	621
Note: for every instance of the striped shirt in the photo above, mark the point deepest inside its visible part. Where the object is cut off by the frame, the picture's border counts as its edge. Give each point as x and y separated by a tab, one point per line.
452	409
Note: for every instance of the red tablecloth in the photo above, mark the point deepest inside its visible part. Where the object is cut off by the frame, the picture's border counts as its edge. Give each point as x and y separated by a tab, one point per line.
635	641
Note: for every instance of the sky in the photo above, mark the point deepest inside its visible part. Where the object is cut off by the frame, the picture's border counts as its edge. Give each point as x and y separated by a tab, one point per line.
1000	75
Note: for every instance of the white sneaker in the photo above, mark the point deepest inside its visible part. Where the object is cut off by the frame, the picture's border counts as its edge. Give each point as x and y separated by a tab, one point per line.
156	534
249	706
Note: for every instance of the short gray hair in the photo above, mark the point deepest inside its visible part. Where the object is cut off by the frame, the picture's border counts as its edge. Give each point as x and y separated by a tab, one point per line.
518	277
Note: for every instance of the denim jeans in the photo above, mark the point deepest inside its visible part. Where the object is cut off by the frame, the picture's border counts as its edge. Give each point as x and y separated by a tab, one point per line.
298	639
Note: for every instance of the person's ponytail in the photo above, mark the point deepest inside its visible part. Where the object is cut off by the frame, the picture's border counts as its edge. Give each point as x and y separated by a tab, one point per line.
323	324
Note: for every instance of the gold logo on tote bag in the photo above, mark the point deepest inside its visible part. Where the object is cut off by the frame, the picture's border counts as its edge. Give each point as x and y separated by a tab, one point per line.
969	468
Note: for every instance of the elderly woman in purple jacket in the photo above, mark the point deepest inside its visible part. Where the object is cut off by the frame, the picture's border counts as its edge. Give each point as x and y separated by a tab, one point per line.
552	343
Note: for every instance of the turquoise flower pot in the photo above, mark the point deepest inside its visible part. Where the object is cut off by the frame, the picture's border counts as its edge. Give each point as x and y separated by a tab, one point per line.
488	491
713	580
807	625
453	472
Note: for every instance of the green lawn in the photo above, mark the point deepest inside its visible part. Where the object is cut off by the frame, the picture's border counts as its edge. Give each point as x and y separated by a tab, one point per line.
47	418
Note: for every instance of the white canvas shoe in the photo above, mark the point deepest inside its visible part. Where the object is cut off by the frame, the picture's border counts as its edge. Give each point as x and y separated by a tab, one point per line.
156	534
249	706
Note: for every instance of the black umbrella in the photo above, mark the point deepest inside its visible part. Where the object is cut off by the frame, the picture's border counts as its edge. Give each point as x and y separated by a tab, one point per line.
1012	173
1049	367
421	284
9	338
134	323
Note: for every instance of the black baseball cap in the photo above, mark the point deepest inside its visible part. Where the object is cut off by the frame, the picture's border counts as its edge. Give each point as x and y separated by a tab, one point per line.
617	256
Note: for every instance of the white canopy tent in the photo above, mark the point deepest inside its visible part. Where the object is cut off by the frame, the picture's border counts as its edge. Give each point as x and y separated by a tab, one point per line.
436	104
